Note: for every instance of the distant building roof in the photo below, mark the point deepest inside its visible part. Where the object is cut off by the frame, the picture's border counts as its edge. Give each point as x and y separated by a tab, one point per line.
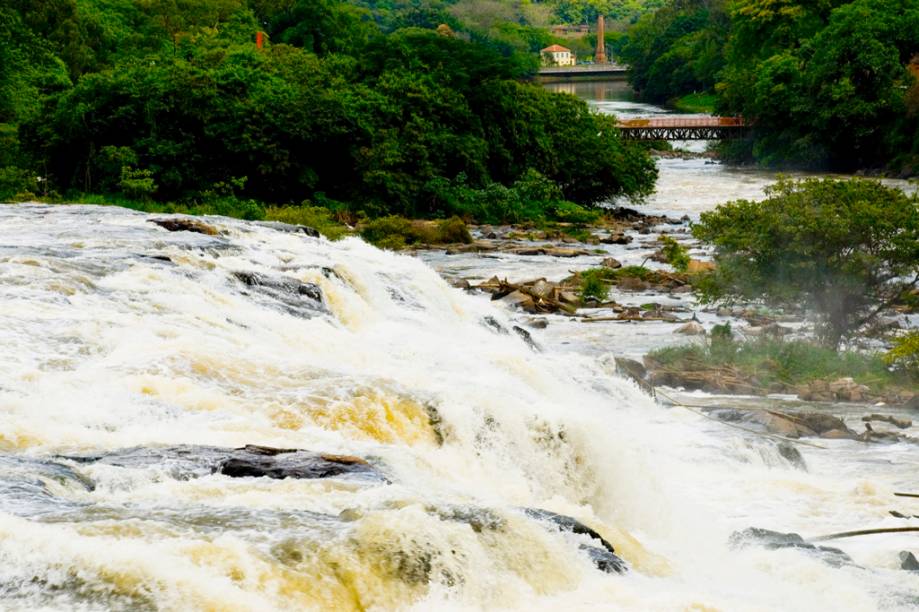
554	49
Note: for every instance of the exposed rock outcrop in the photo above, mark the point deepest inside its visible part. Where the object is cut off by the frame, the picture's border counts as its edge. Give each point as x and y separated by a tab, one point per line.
185	224
773	540
188	461
294	296
604	556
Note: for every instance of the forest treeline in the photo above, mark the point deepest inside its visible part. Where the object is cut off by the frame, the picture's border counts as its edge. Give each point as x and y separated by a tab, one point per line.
375	107
828	84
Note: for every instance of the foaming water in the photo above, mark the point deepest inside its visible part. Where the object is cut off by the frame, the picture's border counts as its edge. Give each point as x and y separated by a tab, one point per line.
118	334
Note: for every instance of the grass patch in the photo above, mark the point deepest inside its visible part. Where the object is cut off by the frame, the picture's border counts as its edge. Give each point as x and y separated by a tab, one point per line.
595	284
771	361
249	210
696	103
317	217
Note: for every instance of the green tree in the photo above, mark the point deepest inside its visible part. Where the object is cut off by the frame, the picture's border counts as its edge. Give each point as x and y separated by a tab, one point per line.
847	249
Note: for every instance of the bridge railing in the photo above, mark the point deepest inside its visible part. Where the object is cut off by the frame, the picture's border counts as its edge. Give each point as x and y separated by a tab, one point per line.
686	122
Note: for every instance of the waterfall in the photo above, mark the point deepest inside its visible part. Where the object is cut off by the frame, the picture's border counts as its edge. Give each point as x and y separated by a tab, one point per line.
132	355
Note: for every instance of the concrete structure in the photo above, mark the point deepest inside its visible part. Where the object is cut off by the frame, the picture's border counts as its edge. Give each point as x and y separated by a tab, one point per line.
584	72
557	55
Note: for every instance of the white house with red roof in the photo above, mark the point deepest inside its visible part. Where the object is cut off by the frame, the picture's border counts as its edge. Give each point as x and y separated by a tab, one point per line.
557	55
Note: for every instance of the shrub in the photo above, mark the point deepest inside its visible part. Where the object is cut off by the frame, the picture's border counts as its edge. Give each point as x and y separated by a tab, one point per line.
452	230
905	353
675	254
569	212
387	232
136	183
394	232
15	182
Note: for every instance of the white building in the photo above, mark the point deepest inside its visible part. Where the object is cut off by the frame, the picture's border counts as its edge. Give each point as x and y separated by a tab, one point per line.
557	55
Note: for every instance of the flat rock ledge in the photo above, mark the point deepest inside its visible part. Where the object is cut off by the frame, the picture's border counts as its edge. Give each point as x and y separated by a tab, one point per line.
251	461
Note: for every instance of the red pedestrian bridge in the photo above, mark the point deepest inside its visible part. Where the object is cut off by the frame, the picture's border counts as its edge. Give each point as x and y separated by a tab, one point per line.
689	128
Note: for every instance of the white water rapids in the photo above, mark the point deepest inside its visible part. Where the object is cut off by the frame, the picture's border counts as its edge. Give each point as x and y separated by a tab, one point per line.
117	333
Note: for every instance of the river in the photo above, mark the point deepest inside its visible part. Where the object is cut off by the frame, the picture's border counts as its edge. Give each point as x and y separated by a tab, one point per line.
118	334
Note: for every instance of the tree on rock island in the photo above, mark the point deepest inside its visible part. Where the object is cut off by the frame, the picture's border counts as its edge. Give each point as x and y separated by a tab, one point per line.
846	249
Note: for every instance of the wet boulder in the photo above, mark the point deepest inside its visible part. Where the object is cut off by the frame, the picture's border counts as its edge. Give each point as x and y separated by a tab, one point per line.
519	299
788	424
774	540
792	455
537	323
908	561
691	329
527	338
603	554
493	324
636	371
886	418
261	461
616	238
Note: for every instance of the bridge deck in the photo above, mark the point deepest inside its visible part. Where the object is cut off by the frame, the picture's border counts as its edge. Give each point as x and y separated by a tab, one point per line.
683	128
584	69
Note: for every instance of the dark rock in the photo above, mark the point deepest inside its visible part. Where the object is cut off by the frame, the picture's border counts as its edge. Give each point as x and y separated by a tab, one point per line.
527	337
290	228
791	454
492	323
184	224
886	418
611	262
773	540
537	323
289	464
296	297
896	514
164	258
908	561
604	556
461	283
617	238
188	462
480	519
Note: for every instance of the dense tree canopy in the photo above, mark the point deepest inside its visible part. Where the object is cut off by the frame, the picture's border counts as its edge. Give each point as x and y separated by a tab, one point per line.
827	83
366	105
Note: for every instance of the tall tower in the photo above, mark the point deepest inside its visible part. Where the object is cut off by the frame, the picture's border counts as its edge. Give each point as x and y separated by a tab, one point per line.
600	54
